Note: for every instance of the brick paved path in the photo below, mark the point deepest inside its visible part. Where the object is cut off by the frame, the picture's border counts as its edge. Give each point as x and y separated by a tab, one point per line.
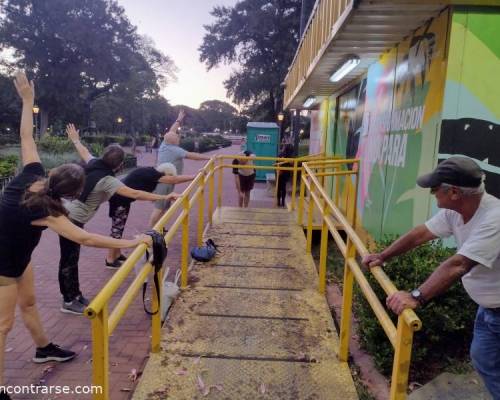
129	345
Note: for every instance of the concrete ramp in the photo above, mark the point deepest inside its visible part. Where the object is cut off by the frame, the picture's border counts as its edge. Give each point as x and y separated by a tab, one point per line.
252	325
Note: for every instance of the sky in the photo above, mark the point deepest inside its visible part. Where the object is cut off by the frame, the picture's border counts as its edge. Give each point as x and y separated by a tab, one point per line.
176	27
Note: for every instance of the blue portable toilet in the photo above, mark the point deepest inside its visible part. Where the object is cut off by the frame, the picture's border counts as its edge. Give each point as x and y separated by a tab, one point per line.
262	140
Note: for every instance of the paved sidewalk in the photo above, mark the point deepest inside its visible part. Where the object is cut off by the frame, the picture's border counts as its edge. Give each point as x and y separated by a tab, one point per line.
129	345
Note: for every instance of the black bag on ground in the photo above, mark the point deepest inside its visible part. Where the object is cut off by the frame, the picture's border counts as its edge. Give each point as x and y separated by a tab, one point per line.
204	253
160	252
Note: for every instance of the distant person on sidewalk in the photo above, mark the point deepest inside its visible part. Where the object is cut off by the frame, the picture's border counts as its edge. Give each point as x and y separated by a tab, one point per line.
472	217
145	179
283	176
246	177
171	152
100	185
31	203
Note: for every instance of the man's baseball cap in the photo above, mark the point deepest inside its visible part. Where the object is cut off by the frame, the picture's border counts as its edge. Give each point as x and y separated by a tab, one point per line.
456	171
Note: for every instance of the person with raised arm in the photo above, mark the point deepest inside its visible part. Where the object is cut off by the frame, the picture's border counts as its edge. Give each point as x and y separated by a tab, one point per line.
100	185
171	152
31	203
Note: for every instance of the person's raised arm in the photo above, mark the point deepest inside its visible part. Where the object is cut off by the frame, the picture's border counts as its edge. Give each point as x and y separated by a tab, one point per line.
175	179
64	227
26	91
175	126
74	136
408	241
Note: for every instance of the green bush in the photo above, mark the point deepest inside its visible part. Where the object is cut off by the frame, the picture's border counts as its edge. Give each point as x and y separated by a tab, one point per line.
53	160
8	165
9	139
187	144
55	145
130	161
447	320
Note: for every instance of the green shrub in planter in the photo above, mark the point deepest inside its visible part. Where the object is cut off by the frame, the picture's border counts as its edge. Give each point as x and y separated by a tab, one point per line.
187	144
8	165
55	145
447	320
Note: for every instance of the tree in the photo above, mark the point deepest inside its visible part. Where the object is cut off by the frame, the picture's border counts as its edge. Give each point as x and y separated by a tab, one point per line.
78	51
217	115
262	37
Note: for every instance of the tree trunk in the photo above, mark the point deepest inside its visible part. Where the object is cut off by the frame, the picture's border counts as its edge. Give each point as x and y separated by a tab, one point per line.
44	122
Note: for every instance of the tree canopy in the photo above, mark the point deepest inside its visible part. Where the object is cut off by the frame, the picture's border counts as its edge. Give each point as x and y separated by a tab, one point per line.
78	51
261	36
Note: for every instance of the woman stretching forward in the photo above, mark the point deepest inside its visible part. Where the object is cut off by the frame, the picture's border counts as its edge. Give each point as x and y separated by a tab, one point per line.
30	204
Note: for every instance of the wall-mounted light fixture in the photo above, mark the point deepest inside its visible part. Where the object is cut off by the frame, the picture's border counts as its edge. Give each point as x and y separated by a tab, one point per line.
347	66
309	101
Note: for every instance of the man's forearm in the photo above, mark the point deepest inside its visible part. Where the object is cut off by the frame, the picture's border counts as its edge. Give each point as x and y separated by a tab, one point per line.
407	242
445	276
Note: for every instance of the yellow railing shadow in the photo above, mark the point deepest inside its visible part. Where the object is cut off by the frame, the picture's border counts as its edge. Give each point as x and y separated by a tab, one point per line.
333	220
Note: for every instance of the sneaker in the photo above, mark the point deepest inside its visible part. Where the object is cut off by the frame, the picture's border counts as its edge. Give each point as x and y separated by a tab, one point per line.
73	307
3	395
114	264
52	352
121	258
83	300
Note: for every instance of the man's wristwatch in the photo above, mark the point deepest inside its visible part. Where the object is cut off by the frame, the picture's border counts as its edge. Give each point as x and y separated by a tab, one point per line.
417	295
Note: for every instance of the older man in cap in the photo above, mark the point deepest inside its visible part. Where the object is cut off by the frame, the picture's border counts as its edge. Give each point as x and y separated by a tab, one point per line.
472	216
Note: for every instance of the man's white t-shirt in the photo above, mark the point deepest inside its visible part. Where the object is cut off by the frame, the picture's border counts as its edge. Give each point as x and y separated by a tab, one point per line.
478	240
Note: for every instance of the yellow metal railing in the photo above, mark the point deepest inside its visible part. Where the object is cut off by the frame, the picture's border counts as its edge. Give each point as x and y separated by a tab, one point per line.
333	220
104	321
314	42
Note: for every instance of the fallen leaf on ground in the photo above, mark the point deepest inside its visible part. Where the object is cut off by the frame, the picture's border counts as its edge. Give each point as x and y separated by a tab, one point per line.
47	369
262	388
200	383
125	390
133	375
197	360
219	387
8	350
181	372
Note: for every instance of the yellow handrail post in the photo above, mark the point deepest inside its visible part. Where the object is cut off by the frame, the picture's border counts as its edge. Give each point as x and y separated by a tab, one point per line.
156	318
346	319
185	244
300	213
310	223
402	358
211	190
294	183
323	251
219	190
100	354
201	210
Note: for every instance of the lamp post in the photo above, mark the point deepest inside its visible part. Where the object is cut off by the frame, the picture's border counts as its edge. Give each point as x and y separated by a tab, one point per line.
36	110
119	121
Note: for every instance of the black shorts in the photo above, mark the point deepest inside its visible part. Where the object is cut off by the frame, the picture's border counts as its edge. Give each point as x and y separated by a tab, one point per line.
246	182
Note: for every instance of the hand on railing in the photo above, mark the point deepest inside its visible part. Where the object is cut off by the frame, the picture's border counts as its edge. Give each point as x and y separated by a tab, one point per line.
172	196
374	260
400	301
143	239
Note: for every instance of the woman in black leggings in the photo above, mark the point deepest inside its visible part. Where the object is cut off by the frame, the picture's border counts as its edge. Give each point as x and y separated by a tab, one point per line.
31	203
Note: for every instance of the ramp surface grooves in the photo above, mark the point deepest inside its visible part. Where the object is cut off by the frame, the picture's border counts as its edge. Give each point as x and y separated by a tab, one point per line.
252	325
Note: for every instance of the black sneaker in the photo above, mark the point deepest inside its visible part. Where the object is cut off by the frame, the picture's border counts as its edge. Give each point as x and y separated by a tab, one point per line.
114	264
122	258
52	352
83	300
73	307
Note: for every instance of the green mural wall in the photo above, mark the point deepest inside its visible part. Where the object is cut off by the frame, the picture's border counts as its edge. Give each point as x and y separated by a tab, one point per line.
471	110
